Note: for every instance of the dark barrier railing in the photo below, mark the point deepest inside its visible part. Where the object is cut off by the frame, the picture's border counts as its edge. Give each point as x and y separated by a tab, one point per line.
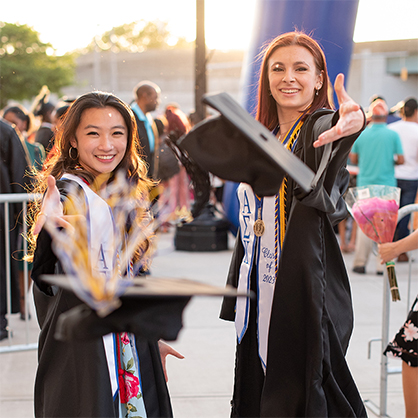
6	200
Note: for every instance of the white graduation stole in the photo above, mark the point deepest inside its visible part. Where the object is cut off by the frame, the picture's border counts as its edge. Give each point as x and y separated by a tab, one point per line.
272	211
101	248
266	258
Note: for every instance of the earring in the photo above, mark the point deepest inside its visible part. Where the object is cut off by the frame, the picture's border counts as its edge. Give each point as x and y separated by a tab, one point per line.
69	153
317	92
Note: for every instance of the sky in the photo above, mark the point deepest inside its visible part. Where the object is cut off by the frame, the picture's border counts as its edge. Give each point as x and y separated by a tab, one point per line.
71	25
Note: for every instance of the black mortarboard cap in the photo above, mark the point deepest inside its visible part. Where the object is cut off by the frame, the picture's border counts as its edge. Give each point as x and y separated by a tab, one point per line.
151	308
235	147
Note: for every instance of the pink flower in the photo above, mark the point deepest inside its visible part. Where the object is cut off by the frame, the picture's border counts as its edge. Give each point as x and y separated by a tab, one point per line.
411	331
128	386
377	218
124	338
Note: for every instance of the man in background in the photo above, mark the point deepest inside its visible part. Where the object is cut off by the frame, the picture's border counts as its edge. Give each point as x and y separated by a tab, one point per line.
407	173
376	151
147	99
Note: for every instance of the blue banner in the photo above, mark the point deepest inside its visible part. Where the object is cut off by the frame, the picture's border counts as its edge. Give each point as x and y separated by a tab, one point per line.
330	22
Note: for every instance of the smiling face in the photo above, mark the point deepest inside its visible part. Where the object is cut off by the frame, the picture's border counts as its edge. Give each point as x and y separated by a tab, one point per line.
293	80
101	140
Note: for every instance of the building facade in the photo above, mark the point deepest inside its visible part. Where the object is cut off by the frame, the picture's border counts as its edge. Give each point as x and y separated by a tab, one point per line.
386	68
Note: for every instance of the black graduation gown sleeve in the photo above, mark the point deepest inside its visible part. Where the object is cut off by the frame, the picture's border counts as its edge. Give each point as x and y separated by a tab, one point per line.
72	378
13	179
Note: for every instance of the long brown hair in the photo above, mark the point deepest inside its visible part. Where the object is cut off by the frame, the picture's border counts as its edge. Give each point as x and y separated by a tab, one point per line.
266	110
62	160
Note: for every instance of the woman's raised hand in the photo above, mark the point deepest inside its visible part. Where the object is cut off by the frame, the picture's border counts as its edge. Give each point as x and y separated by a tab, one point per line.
351	118
51	208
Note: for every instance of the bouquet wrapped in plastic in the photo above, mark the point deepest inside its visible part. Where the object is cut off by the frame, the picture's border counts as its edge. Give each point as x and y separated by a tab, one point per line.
375	209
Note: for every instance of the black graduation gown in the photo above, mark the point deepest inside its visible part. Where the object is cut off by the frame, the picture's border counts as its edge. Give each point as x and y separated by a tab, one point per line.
13	179
312	317
72	378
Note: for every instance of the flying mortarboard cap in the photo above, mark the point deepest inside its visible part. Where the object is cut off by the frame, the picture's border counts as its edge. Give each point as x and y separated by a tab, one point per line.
236	147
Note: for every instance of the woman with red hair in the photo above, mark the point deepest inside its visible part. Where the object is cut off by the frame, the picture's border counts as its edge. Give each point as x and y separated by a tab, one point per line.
292	338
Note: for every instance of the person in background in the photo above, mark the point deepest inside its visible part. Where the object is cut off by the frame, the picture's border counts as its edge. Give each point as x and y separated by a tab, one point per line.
22	122
292	337
407	173
57	118
44	109
405	343
147	99
376	152
176	189
13	165
347	228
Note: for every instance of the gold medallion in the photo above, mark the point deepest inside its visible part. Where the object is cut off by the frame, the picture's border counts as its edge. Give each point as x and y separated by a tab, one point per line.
259	225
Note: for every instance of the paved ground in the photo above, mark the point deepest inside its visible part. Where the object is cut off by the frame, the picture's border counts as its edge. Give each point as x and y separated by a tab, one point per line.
201	384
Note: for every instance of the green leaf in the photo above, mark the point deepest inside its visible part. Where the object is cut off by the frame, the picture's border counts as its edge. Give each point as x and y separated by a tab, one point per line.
133	409
130	363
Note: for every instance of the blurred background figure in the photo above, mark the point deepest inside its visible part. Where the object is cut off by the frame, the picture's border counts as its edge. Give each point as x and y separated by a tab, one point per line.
376	152
147	99
13	165
347	228
407	173
44	109
21	121
174	179
57	118
404	344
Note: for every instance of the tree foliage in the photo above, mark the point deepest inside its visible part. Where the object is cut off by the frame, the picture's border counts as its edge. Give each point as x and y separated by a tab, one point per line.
137	37
26	64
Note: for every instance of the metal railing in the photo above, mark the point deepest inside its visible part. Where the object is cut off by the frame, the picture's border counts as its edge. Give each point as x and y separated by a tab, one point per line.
6	200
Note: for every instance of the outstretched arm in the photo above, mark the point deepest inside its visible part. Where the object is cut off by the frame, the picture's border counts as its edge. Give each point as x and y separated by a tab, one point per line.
51	208
351	118
391	250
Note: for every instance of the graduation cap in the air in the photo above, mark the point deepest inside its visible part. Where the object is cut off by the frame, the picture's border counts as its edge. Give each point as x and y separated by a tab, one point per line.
235	147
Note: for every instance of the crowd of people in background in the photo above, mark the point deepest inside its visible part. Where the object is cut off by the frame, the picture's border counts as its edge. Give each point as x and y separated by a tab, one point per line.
384	153
27	140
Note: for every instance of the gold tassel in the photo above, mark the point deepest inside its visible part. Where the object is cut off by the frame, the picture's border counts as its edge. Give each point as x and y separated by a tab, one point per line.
393	283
